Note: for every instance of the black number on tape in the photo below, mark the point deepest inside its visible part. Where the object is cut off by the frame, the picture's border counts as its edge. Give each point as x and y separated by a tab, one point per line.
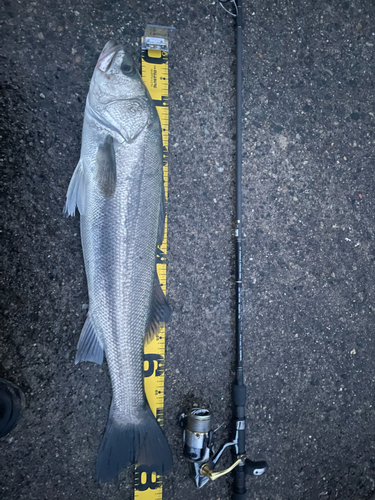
154	60
146	472
154	360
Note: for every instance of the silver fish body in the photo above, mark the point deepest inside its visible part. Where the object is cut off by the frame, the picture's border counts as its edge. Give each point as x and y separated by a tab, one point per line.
118	188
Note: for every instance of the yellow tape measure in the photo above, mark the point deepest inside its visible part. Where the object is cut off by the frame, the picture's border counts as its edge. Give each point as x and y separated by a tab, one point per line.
148	485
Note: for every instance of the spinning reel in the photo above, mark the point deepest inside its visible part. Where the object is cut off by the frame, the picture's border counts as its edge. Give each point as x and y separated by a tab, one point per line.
200	452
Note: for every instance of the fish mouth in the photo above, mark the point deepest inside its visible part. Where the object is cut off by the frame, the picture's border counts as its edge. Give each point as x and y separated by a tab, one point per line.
107	56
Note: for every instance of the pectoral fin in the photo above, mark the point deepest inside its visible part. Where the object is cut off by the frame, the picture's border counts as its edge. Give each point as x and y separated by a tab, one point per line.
106	167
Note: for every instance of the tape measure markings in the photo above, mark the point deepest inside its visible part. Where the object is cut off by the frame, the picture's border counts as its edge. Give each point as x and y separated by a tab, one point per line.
148	485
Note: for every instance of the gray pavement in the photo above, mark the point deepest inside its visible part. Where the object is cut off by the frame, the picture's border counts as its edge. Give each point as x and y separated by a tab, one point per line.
309	250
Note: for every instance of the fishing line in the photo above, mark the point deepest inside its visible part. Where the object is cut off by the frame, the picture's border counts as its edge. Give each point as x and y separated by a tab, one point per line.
221	2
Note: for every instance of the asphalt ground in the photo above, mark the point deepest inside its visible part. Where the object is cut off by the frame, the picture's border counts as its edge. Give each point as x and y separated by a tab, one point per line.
308	251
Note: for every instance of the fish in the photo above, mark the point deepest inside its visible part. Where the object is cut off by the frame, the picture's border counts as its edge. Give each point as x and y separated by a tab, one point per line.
118	188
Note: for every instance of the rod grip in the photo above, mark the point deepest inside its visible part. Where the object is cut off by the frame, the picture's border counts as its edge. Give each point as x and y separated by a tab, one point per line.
239	483
239	395
239	401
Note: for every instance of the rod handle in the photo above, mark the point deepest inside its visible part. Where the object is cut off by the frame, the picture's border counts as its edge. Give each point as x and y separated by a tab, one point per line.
239	483
239	394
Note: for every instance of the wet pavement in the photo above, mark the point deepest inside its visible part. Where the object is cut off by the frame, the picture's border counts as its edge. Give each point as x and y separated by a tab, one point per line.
309	247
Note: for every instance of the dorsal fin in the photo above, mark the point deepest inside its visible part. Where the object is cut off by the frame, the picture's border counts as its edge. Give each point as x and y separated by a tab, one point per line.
162	215
75	195
160	312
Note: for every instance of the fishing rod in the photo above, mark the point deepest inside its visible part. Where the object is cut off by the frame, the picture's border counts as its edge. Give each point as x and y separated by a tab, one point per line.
198	434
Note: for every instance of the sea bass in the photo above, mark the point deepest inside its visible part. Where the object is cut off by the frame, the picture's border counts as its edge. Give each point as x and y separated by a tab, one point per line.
119	191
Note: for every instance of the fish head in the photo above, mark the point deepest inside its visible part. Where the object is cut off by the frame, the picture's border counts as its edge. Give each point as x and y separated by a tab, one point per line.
116	83
115	77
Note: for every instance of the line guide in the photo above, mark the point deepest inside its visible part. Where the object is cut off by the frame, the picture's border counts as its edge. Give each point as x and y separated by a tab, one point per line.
148	485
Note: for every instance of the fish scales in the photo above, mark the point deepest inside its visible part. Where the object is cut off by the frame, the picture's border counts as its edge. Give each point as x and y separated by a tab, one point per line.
121	231
118	188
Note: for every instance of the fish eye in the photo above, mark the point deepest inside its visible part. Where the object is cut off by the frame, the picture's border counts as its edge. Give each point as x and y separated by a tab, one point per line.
127	69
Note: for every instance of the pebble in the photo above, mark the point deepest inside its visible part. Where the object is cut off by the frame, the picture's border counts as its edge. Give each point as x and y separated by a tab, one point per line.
42	95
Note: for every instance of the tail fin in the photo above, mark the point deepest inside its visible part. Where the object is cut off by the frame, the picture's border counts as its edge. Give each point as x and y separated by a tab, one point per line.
127	443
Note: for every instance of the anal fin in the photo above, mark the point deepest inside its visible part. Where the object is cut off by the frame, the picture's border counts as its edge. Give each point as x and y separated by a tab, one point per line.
89	347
